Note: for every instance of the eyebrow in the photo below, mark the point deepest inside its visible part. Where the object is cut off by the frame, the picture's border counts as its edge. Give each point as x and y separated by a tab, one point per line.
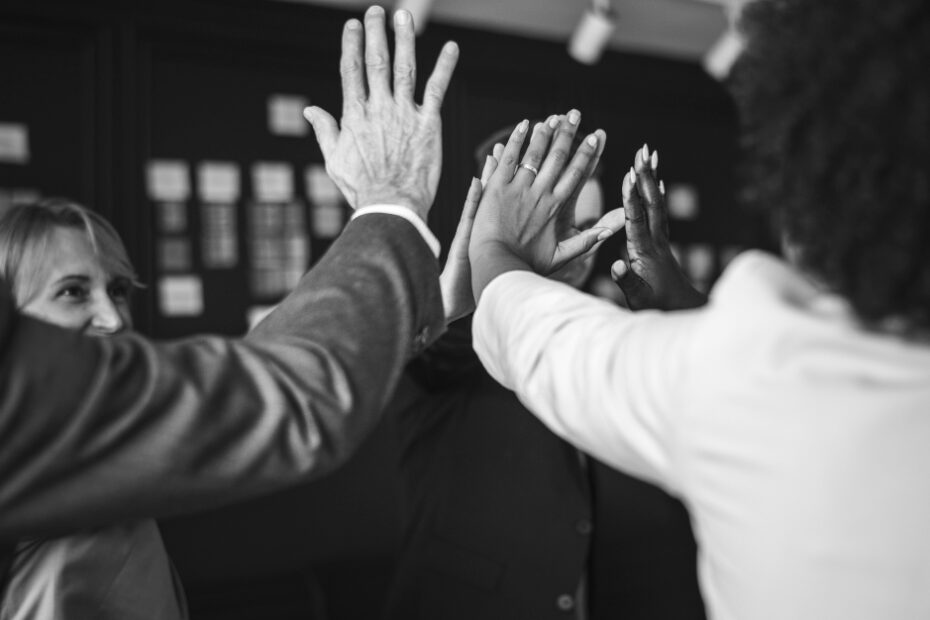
73	276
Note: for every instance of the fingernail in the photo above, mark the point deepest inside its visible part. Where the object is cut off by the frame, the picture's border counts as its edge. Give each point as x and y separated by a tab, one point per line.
662	187
574	116
401	17
375	11
592	140
523	125
488	160
308	114
655	161
632	174
553	121
353	24
451	47
604	234
537	127
645	153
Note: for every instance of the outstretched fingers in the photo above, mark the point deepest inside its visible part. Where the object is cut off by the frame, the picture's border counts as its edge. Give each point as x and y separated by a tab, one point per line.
559	152
507	162
579	170
350	66
490	165
471	205
405	61
638	238
377	58
535	152
438	82
645	165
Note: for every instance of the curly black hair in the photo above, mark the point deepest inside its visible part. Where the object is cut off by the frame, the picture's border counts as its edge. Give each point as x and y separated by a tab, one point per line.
834	98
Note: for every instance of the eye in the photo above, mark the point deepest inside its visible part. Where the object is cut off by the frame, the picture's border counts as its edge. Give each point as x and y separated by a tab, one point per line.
120	290
73	292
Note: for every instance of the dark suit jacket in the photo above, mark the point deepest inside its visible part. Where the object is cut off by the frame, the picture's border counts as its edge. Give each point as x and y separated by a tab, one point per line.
99	431
503	519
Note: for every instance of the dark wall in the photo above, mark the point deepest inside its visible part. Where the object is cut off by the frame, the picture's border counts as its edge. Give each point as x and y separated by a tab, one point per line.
104	88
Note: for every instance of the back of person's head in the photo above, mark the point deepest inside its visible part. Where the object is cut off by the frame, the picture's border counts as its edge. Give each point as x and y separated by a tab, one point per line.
835	102
26	232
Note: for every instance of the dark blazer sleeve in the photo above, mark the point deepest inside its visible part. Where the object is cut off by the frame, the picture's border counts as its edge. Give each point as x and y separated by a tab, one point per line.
94	431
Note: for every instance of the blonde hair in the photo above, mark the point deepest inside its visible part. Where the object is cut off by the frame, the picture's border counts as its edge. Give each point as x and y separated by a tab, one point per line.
25	236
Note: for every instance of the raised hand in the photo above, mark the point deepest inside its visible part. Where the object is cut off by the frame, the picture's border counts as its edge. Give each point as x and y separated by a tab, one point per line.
387	148
522	218
651	278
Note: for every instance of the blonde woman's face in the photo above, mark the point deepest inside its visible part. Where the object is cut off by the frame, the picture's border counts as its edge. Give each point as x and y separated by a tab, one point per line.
76	291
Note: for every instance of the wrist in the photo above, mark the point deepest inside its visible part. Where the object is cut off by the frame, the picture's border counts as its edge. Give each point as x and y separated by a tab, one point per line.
491	258
418	205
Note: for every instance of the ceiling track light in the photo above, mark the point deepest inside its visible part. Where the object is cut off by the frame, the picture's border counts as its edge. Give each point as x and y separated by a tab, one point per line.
721	56
593	32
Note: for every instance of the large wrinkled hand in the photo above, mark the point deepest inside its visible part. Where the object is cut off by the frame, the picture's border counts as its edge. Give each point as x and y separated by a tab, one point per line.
387	148
523	212
651	278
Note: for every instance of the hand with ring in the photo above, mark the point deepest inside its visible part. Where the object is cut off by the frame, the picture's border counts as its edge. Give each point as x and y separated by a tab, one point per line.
525	217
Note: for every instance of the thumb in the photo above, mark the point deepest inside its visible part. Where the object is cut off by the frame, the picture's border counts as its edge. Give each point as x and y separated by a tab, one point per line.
462	236
584	242
324	127
635	289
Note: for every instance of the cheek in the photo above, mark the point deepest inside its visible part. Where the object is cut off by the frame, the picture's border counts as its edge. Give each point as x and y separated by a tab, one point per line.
125	314
65	315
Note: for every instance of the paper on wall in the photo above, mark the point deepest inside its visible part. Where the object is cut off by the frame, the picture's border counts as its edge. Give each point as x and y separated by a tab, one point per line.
180	296
14	143
272	182
285	115
218	181
168	180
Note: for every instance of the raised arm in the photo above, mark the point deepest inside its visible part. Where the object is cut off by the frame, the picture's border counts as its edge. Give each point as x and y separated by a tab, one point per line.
99	431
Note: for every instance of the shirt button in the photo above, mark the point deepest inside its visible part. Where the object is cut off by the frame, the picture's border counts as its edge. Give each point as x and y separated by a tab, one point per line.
565	602
584	527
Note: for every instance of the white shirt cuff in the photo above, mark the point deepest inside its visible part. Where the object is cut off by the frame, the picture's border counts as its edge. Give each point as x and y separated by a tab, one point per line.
408	215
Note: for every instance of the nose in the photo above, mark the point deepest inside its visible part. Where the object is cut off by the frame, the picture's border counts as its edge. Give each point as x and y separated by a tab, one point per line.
107	319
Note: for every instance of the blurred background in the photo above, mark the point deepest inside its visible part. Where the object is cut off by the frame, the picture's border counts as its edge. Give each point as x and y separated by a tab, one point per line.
180	121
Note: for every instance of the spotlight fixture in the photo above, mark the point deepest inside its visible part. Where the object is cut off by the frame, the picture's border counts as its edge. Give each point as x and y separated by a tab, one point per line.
723	53
592	34
419	9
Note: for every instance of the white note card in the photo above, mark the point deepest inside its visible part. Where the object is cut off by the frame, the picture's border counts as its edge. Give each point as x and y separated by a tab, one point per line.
285	115
683	201
218	181
168	180
180	296
272	181
320	187
14	143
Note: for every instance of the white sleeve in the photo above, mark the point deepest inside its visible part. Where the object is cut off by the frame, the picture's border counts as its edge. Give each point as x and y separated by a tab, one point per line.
603	378
408	215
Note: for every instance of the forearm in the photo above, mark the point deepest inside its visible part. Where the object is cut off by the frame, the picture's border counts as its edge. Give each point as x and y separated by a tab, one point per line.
108	430
600	377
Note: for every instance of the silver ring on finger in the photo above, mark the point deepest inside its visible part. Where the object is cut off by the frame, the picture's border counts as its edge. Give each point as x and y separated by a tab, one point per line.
530	167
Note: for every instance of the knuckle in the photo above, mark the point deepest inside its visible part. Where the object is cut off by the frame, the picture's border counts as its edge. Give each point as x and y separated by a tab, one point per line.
403	71
375	60
349	67
433	91
559	156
